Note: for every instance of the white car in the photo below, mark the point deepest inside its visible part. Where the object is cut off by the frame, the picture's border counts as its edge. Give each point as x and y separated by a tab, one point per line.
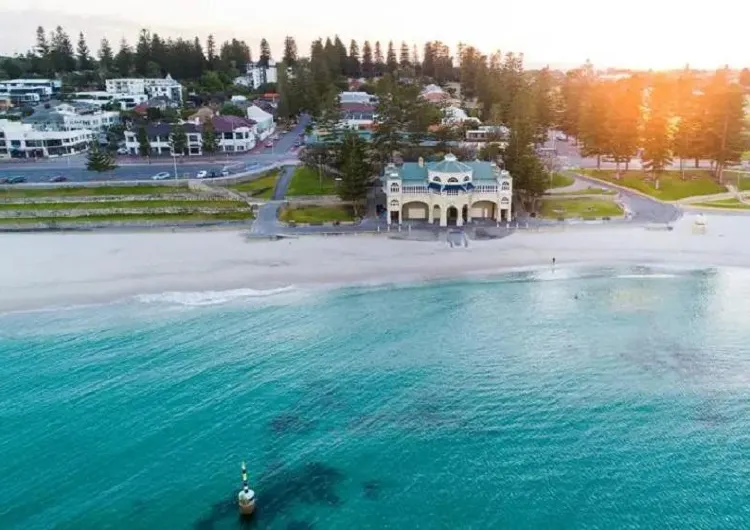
161	176
201	174
122	151
225	172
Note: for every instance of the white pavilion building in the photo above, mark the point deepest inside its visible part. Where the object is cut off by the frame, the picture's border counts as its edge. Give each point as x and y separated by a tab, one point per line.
448	192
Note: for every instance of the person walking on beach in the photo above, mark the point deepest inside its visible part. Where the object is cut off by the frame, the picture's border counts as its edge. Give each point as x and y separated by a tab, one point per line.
553	261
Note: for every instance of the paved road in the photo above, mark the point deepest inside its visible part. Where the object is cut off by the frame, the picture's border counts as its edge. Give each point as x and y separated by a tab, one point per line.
74	168
643	209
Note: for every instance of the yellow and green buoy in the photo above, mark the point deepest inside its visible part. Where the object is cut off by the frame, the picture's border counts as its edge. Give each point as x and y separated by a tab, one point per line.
246	496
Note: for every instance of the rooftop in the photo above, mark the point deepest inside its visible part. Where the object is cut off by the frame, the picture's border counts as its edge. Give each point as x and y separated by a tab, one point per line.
412	171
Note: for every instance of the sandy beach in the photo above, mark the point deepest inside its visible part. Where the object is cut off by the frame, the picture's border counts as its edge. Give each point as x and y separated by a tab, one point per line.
42	270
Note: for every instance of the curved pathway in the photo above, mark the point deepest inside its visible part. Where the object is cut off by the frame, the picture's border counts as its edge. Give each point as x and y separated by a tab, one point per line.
267	221
642	208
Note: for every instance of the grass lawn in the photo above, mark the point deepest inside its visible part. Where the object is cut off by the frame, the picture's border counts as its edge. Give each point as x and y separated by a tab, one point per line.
317	214
742	183
724	203
671	186
561	181
261	188
746	155
218	204
165	217
305	181
586	191
19	193
585	207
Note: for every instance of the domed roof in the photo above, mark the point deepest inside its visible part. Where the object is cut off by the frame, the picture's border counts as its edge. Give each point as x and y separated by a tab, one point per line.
450	164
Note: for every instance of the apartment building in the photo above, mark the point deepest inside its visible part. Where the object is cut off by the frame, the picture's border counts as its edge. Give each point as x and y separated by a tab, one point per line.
21	140
152	87
234	134
64	117
101	98
27	92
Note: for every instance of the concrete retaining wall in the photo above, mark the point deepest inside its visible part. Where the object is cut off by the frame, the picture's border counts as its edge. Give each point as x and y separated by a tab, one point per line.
9	214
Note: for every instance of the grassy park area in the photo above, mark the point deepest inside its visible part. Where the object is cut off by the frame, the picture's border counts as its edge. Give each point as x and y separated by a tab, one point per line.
671	186
261	188
560	180
316	214
591	190
124	218
734	204
30	193
98	205
146	203
583	207
307	181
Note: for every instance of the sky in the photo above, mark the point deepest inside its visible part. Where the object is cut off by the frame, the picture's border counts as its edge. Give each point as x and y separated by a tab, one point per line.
638	34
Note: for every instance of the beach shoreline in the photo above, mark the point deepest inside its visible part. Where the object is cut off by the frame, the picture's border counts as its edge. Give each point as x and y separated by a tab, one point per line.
63	269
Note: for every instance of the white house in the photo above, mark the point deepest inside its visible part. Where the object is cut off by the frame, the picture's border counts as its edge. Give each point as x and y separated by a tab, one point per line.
21	140
234	135
152	87
265	125
448	192
357	97
64	118
100	98
30	91
260	75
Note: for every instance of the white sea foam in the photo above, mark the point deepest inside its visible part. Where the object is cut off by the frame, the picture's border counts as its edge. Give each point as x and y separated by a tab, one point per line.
206	298
654	275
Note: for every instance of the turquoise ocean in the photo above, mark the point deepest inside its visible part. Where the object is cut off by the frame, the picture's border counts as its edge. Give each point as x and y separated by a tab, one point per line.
569	399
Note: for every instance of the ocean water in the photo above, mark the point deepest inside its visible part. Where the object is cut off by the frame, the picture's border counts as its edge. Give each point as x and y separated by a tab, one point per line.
586	399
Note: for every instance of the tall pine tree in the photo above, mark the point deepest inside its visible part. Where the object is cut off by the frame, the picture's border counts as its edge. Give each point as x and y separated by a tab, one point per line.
84	57
265	53
106	57
290	51
368	67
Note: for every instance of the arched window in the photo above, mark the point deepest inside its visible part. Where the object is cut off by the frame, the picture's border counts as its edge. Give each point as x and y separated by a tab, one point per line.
436	179
467	179
394	188
504	200
452	180
394	204
505	186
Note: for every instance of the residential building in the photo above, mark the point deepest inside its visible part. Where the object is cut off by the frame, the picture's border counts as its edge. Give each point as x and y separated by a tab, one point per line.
21	140
152	87
30	91
448	192
64	118
454	116
260	75
487	133
235	135
357	97
357	116
99	98
265	125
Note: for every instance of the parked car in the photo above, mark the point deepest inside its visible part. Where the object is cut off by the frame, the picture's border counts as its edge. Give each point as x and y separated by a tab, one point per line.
161	176
122	151
16	179
269	143
201	174
212	175
297	143
224	172
58	178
